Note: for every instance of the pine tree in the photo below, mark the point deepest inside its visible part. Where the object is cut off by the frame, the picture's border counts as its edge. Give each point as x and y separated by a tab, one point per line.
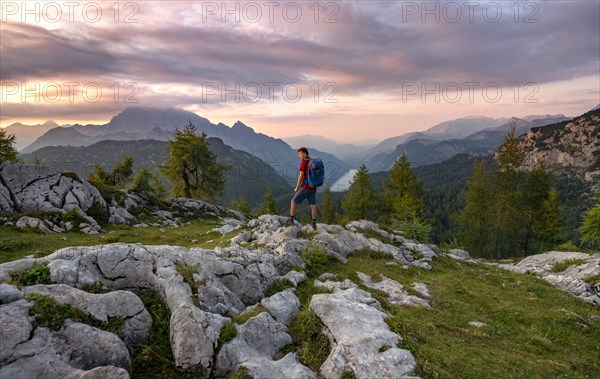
404	200
99	176
361	200
149	184
192	167
590	226
535	192
7	150
403	183
122	172
474	219
551	226
240	205
268	206
327	209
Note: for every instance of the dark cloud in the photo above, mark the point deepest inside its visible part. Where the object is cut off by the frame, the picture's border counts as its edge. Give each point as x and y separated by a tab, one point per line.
31	52
370	49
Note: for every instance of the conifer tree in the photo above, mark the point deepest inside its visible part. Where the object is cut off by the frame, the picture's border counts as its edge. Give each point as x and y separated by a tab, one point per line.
192	167
361	200
7	150
535	192
149	184
506	214
268	206
590	226
240	205
403	183
474	219
404	200
122	172
551	227
327	209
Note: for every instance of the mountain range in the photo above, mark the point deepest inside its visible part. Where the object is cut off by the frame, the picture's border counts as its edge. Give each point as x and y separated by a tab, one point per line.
247	177
142	123
429	150
471	135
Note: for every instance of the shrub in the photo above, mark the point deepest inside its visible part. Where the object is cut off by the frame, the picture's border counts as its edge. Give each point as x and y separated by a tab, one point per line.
73	216
278	286
228	332
99	213
38	274
72	175
315	259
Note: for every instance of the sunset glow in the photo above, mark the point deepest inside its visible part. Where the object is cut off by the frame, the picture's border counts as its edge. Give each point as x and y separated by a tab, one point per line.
347	70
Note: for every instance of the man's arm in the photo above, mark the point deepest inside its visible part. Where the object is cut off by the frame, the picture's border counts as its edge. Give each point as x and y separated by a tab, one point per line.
300	179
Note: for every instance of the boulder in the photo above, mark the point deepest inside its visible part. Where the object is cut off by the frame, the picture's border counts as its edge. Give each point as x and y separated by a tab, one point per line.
361	340
194	336
572	280
282	306
36	188
258	339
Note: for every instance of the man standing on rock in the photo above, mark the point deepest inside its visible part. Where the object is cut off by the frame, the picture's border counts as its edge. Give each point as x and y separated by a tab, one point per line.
303	190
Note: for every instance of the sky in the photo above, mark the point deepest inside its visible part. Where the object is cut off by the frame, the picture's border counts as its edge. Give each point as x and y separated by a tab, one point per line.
348	70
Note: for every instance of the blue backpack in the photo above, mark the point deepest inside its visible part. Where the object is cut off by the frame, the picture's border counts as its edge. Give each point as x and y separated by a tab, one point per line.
316	172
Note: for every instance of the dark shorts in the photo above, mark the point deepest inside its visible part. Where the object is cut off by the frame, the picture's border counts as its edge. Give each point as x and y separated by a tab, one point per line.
304	193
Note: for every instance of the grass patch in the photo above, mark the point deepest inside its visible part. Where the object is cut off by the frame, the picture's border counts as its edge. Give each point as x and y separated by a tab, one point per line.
188	276
316	261
228	332
306	330
278	286
48	313
563	265
96	287
155	360
242	317
241	373
17	244
568	246
38	274
534	330
593	279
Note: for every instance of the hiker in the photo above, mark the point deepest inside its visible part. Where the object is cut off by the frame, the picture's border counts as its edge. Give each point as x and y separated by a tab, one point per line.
303	190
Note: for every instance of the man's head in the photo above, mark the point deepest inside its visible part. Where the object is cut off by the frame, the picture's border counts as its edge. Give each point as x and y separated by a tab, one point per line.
302	152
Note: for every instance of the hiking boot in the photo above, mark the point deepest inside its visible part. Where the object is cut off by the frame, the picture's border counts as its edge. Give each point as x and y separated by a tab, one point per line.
314	226
289	222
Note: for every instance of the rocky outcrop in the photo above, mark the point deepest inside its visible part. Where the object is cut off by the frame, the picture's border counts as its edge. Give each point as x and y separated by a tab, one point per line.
258	339
36	188
202	290
338	241
571	145
241	280
396	293
362	343
75	351
573	279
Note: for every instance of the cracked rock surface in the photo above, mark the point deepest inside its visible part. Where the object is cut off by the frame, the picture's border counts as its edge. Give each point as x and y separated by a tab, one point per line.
362	343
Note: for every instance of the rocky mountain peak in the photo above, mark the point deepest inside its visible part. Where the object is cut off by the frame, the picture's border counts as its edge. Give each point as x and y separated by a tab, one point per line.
574	144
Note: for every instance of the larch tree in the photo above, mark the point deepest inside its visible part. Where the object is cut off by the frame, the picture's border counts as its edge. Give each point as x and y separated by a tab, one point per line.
192	167
474	219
